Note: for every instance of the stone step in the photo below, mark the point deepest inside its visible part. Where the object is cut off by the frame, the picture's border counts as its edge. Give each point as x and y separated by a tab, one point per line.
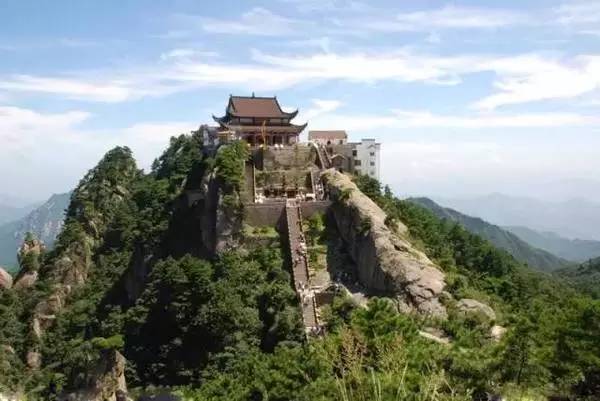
300	267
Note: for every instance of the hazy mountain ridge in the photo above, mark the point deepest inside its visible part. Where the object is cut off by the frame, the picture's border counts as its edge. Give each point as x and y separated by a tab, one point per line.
13	208
10	213
503	239
577	250
45	222
575	218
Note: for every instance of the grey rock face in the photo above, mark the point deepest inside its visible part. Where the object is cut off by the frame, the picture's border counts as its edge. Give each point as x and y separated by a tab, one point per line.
387	262
468	306
497	332
34	359
6	280
25	280
106	381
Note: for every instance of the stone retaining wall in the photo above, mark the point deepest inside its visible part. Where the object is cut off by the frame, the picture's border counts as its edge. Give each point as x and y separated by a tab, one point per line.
271	213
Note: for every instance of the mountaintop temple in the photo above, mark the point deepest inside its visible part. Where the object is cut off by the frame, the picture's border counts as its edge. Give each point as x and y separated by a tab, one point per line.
261	122
258	121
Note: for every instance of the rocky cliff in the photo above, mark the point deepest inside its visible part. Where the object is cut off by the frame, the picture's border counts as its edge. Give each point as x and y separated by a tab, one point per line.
93	206
387	263
105	382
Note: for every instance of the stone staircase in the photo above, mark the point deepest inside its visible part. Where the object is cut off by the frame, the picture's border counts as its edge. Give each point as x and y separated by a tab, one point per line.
249	194
323	156
300	267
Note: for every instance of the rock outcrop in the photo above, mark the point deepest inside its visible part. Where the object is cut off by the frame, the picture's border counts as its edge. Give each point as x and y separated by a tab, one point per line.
30	247
25	280
11	397
471	306
436	335
29	255
106	382
6	280
387	263
92	208
497	332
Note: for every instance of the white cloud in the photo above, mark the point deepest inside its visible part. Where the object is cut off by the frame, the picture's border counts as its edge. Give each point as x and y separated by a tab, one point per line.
533	78
458	166
457	17
319	107
307	6
258	21
400	65
77	43
42	153
433	38
449	17
407	119
71	87
591	32
578	13
21	128
322	43
518	79
187	53
177	53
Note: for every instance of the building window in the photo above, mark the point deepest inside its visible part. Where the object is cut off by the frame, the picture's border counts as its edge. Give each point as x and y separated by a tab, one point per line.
372	164
357	162
354	153
372	154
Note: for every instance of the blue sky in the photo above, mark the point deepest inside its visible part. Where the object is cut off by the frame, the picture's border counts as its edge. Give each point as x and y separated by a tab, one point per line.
467	97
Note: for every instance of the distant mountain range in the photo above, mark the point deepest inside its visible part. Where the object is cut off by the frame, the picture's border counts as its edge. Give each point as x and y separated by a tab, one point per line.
575	218
45	222
571	249
11	213
13	208
521	250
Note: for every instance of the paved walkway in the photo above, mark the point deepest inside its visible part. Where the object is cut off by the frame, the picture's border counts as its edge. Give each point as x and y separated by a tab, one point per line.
300	268
249	179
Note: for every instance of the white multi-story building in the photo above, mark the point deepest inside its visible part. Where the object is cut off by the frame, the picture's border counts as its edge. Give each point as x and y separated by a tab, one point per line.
365	155
354	157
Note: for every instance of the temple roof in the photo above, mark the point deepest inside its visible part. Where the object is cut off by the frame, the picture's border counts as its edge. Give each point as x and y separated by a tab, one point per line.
253	106
331	134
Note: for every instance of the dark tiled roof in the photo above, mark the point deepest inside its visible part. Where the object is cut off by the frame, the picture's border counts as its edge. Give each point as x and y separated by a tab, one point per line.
251	106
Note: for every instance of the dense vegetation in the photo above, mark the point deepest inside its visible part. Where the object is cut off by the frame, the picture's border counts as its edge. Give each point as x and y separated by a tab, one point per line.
553	344
585	277
228	327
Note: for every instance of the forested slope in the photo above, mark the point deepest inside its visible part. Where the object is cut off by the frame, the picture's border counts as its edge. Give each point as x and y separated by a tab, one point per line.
226	325
585	277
